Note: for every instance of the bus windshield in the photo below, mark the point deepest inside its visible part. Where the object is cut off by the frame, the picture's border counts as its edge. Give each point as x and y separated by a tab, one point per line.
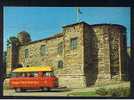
48	73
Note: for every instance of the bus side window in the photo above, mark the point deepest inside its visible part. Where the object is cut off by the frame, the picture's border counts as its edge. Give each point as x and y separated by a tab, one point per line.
18	74
35	74
40	74
44	73
32	74
24	74
29	74
48	74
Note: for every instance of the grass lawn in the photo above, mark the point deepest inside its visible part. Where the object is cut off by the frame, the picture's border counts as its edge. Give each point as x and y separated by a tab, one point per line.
91	93
119	90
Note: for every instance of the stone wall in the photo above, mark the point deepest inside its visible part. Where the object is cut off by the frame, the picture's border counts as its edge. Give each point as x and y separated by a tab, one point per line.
115	59
74	61
12	58
101	53
36	59
91	62
123	54
74	57
8	60
110	55
90	70
72	81
118	52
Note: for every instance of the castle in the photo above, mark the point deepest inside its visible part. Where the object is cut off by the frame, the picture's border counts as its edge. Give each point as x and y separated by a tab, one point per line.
81	55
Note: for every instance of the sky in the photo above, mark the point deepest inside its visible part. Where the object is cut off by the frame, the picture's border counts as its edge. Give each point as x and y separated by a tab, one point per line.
42	22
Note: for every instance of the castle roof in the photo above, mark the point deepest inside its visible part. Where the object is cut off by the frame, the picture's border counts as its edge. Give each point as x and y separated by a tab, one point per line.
70	25
95	25
48	38
106	24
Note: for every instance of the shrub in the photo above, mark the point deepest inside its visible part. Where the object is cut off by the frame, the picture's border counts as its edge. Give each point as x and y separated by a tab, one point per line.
116	92
120	91
101	91
127	91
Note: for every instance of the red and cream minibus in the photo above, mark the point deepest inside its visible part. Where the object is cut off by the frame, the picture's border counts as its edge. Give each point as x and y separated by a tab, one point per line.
33	78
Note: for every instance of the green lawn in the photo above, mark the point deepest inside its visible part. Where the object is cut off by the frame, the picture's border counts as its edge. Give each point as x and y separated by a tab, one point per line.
91	93
116	92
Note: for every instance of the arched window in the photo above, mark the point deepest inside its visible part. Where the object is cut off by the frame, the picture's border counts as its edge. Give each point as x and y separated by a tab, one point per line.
73	43
26	53
43	50
60	64
60	48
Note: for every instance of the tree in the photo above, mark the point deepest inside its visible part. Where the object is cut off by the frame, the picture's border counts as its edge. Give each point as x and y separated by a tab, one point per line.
13	41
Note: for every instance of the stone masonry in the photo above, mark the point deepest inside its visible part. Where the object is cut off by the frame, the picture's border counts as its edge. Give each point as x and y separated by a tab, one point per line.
99	54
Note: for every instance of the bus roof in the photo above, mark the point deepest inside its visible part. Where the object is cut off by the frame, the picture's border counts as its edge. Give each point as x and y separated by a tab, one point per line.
33	69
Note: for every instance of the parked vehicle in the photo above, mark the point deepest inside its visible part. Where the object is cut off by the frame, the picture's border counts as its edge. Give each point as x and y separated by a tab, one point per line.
33	78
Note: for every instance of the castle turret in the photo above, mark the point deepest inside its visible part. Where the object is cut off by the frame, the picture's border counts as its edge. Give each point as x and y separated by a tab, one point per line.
13	47
12	53
24	37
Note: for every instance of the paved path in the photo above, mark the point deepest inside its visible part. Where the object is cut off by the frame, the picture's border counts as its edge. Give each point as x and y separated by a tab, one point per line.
53	92
61	92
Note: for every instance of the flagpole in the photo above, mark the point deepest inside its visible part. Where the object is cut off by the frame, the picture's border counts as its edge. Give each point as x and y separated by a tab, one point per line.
77	14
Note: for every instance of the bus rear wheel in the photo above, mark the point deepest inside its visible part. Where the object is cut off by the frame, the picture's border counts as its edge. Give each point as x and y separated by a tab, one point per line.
45	89
19	90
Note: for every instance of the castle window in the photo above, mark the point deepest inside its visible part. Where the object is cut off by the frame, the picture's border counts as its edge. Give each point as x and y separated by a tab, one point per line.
26	53
115	71
73	43
60	48
43	50
60	64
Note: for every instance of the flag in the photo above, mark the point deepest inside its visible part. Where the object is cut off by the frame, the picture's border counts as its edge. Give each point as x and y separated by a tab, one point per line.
79	11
